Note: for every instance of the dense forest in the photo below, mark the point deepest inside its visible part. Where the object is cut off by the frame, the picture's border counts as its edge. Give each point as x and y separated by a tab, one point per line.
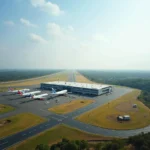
134	79
11	75
145	98
138	142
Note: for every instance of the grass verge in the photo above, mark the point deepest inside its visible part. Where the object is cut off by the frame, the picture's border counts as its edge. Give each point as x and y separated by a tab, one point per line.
70	106
55	135
5	108
35	81
81	78
18	123
105	116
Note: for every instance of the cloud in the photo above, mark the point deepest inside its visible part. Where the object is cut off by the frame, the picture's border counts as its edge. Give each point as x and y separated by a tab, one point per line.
9	23
100	37
27	23
55	30
47	7
60	33
37	38
70	28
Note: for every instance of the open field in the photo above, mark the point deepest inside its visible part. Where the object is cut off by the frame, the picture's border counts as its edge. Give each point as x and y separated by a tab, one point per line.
18	123
105	116
54	135
81	78
34	81
70	106
5	108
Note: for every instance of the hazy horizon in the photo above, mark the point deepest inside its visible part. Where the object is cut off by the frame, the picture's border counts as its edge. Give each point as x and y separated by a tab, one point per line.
94	35
46	69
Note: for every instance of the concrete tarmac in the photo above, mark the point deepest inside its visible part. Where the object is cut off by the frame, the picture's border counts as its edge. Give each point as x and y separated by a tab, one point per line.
41	108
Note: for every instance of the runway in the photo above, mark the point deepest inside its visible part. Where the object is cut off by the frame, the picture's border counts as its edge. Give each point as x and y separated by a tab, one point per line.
71	77
40	108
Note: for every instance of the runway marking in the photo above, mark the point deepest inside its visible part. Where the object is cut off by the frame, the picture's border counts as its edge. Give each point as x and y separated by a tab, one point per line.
43	110
23	134
56	118
4	143
61	116
65	116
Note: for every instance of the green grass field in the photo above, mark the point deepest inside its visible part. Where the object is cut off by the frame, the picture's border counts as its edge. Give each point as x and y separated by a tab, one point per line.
105	116
55	135
34	81
5	108
18	123
70	106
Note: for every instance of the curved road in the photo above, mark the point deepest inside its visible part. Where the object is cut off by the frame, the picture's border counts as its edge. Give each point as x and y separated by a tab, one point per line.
68	119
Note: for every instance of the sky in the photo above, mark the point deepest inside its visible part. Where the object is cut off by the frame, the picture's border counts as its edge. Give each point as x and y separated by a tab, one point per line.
75	34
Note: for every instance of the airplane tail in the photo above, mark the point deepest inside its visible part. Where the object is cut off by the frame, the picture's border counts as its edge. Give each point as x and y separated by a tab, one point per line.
20	93
31	95
10	89
53	90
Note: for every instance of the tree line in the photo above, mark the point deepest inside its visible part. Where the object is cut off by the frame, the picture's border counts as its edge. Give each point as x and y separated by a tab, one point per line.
145	98
138	142
138	80
12	75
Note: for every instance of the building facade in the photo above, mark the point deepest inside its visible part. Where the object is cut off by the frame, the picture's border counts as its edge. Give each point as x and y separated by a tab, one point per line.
79	88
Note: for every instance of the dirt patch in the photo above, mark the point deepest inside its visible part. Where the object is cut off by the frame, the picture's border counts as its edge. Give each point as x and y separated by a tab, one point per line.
4	122
113	117
145	115
126	107
2	107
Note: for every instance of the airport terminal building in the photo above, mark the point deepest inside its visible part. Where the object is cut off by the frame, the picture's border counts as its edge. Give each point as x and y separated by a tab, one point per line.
79	88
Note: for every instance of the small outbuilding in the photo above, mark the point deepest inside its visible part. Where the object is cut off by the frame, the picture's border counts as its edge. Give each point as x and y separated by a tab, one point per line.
126	117
134	105
120	118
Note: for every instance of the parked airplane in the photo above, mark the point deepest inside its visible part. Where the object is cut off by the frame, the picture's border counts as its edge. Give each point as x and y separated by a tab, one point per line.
40	97
29	94
17	91
63	92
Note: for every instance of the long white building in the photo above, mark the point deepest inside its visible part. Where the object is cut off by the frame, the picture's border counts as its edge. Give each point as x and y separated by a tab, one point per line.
76	87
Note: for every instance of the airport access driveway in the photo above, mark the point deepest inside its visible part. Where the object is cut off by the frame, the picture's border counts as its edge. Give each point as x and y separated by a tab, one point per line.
40	108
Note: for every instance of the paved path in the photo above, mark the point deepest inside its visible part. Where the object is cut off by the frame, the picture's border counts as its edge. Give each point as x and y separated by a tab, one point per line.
55	119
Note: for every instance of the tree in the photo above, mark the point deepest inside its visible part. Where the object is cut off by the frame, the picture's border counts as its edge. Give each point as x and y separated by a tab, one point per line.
65	140
54	147
98	146
111	146
144	147
83	145
42	147
71	146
